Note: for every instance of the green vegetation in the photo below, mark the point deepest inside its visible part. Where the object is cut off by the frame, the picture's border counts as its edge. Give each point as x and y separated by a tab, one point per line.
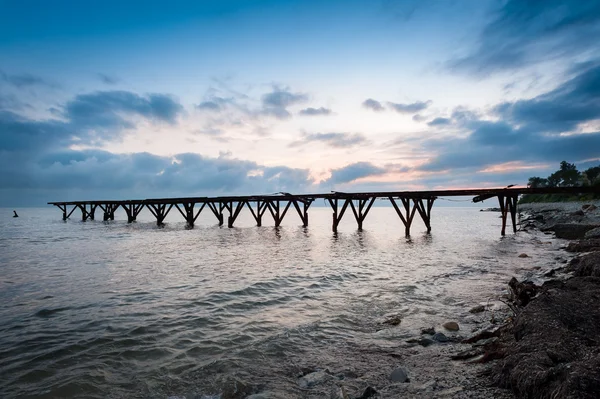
566	176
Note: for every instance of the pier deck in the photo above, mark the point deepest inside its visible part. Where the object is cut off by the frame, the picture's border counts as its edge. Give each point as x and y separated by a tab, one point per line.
405	203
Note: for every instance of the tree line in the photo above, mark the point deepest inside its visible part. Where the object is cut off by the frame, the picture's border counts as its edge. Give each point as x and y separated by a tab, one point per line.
566	176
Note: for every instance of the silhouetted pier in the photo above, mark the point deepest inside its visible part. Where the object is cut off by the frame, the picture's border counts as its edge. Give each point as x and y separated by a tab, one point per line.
406	204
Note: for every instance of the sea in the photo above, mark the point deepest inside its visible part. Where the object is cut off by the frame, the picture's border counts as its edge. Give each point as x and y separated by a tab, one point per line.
115	310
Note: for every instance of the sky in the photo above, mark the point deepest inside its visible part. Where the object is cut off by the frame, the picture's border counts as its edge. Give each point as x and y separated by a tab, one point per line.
144	99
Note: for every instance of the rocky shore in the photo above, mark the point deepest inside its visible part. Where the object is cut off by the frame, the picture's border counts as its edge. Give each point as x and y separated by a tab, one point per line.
550	348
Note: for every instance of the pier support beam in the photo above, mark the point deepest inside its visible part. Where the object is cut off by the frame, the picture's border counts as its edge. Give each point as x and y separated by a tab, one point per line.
261	207
364	206
275	210
109	211
303	213
508	204
410	214
217	210
66	215
85	214
425	210
337	216
234	213
132	211
160	212
189	215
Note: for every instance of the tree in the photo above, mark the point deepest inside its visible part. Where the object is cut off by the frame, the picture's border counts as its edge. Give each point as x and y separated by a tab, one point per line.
593	174
535	182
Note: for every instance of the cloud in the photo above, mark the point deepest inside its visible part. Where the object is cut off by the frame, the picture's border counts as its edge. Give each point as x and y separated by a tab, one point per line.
353	172
523	33
374	105
439	122
216	104
24	80
410	108
105	109
545	129
277	101
315	111
334	140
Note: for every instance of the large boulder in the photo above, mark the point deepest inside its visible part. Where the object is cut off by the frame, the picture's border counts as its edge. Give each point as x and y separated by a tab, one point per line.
586	265
593	233
572	231
584	245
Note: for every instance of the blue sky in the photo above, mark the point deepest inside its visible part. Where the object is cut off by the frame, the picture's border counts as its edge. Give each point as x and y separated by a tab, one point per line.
107	99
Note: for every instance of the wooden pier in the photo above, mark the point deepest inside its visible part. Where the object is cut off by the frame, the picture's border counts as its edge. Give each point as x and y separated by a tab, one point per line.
406	204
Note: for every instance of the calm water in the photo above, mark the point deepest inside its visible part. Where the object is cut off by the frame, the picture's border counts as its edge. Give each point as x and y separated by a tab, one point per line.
100	309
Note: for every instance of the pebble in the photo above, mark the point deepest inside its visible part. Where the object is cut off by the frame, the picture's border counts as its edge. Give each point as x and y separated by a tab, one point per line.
439	337
399	375
312	379
477	309
428	331
523	255
451	326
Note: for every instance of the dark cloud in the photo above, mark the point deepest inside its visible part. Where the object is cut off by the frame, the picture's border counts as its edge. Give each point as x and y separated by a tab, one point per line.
353	172
410	108
541	129
523	33
105	109
374	105
24	80
217	104
335	140
108	79
440	122
282	98
315	111
276	102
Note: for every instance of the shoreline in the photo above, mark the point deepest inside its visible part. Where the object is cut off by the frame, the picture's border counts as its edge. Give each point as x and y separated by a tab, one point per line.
549	348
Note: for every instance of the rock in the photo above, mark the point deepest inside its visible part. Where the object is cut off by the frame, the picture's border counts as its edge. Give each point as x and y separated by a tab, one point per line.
439	337
578	213
468	354
589	207
522	293
572	231
486	341
586	265
451	326
523	256
587	245
485	334
234	388
593	233
393	320
310	380
399	375
477	309
421	341
428	331
369	392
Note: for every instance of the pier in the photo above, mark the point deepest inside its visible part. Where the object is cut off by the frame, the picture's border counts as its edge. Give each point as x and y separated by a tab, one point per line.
406	204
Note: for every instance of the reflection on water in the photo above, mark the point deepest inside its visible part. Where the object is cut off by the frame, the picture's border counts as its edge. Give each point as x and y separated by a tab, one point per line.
110	309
